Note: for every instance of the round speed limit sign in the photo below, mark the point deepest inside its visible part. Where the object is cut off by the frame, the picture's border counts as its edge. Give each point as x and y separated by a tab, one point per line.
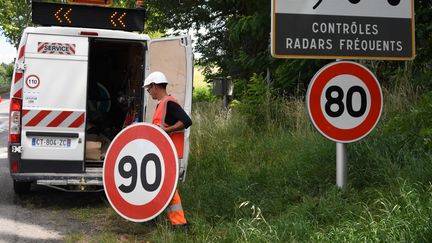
344	101
140	172
32	81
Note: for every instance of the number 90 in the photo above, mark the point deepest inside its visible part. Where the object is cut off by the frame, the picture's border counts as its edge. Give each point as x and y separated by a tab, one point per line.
133	173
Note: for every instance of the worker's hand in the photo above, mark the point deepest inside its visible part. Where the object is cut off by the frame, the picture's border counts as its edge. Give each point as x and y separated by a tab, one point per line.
163	128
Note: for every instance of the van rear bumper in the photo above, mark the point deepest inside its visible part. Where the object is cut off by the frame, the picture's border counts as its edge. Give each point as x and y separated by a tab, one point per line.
38	166
92	177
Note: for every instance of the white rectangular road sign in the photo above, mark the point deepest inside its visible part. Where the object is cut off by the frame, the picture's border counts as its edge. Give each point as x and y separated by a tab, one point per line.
343	29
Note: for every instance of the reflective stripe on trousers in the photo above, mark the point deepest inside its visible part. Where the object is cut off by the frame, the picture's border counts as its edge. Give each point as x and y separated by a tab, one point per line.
175	210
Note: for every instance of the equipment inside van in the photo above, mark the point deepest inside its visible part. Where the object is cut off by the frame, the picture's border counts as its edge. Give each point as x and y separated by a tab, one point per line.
114	95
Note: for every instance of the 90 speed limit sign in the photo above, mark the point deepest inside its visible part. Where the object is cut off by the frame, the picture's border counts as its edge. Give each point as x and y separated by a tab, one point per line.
140	172
344	101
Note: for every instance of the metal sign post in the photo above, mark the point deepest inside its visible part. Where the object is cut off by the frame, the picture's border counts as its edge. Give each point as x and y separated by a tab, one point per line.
341	166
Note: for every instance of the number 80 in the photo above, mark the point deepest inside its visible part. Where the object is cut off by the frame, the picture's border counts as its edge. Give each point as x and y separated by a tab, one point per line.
338	100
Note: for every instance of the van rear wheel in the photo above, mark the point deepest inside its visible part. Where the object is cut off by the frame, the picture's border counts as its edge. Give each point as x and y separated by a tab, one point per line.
21	187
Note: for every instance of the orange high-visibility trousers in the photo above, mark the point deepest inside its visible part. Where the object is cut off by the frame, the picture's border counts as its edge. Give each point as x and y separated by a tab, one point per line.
175	210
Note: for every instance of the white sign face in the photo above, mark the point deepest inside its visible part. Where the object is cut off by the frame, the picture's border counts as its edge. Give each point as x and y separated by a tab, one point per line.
344	101
139	176
350	29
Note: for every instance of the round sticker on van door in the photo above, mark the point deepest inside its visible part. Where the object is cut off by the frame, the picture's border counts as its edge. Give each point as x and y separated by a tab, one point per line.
32	81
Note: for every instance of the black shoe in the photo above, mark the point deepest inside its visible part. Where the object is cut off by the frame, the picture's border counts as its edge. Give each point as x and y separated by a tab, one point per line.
181	227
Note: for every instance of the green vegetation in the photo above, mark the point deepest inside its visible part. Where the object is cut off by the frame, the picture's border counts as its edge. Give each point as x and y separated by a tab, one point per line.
203	94
6	71
274	181
234	37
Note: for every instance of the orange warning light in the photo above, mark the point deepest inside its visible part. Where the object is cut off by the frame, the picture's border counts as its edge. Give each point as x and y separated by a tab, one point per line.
118	18
92	2
61	15
86	16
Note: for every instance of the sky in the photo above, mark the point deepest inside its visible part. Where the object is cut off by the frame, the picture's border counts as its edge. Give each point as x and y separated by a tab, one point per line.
7	51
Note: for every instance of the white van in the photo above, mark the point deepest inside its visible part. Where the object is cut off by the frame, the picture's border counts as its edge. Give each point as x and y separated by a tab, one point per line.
74	89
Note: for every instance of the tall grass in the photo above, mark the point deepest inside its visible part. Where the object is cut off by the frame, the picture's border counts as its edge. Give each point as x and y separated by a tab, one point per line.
274	180
248	183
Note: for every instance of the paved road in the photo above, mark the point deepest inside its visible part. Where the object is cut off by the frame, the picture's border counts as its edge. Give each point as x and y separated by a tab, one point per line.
44	215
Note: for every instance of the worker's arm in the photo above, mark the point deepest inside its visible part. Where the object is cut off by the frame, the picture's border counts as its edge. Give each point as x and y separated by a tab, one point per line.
176	118
178	126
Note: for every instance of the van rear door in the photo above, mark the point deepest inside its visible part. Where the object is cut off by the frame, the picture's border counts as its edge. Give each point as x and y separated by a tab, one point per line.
174	57
54	101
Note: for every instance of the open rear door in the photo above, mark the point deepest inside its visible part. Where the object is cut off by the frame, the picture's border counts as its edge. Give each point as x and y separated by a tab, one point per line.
174	57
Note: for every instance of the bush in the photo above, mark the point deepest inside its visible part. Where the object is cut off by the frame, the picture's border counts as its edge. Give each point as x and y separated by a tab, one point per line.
260	106
6	71
202	94
412	130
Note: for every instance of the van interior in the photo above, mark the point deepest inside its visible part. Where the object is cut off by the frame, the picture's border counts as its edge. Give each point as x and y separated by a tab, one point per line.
114	93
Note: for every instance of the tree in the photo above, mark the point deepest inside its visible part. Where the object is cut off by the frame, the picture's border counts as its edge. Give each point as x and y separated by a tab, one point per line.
6	71
14	17
236	40
233	35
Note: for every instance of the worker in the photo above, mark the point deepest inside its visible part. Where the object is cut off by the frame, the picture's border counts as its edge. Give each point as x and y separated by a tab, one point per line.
171	117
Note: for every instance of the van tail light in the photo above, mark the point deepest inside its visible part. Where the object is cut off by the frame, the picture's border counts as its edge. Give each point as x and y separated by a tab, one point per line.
15	121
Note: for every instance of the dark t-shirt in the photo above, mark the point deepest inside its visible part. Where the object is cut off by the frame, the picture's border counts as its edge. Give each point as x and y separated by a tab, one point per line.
176	113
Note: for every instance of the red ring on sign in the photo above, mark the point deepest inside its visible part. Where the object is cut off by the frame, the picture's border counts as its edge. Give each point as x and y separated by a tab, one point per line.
314	104
37	83
149	210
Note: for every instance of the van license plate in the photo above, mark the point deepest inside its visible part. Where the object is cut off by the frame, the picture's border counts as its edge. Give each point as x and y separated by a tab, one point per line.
51	142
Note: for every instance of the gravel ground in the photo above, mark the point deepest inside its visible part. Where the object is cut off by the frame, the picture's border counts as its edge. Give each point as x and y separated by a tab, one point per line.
44	215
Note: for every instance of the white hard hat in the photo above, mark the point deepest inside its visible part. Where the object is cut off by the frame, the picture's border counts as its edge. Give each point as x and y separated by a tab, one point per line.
155	78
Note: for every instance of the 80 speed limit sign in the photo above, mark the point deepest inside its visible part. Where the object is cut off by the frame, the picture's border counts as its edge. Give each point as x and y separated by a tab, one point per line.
344	101
140	172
